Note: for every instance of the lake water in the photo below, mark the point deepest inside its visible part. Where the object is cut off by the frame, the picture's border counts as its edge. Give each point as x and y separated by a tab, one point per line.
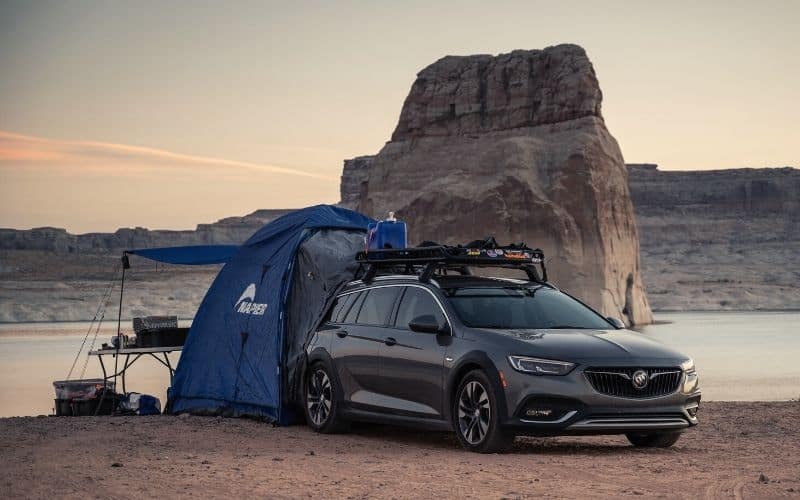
743	356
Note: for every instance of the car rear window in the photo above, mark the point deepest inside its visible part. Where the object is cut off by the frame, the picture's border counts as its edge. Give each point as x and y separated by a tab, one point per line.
352	313
377	306
341	306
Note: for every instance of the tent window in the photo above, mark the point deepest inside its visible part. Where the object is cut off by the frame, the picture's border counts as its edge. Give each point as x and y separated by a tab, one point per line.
377	306
351	315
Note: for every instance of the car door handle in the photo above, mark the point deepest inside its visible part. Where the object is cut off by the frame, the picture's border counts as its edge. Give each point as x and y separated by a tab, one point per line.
390	341
341	333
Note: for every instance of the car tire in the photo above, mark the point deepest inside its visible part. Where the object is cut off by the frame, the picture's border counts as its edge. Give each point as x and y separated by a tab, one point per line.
475	415
653	439
321	400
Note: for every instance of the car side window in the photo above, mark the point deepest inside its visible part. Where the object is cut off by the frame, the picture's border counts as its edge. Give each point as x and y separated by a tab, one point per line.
350	316
377	306
417	302
341	306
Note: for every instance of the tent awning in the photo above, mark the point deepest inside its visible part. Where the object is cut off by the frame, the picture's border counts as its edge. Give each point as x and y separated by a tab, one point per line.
195	255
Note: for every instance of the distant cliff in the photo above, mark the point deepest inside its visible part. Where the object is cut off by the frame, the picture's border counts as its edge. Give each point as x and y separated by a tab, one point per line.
748	192
719	239
51	239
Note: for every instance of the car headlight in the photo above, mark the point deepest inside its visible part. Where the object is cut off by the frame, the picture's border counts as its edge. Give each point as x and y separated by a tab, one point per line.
537	366
691	382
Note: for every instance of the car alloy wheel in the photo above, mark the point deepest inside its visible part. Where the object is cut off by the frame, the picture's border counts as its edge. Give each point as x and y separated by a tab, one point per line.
474	412
319	397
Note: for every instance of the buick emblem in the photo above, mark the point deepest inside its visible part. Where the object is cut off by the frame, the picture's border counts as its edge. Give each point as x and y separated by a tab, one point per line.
639	379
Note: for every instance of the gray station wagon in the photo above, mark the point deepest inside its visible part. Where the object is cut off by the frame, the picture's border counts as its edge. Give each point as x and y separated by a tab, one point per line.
491	358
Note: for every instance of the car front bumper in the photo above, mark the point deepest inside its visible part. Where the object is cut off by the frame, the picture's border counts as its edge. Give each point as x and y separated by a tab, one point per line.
557	405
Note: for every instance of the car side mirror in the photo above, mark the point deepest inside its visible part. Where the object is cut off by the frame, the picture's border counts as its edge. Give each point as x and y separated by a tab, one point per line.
615	321
426	323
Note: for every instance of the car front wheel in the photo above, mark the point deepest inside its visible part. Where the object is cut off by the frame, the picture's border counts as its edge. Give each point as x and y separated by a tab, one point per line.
475	411
653	439
322	401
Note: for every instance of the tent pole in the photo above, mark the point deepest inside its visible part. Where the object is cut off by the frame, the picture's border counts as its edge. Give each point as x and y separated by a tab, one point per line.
119	313
125	265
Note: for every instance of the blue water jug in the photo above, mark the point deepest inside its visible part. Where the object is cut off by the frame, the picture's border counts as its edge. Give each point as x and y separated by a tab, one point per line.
389	233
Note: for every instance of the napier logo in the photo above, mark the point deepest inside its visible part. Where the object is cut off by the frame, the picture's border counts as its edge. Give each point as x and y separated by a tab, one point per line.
639	379
245	304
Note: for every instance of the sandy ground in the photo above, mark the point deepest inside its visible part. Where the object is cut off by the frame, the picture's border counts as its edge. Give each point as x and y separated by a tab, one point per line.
740	450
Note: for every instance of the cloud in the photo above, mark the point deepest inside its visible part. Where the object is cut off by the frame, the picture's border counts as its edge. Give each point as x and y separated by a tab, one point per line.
18	149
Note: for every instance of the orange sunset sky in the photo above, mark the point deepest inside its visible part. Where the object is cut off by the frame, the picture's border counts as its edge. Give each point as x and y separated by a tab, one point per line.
169	114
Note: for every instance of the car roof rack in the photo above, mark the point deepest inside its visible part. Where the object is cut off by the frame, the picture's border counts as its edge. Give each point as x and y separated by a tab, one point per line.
428	260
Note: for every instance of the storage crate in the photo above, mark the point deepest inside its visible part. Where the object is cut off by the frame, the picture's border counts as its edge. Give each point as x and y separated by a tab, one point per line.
162	337
103	403
81	389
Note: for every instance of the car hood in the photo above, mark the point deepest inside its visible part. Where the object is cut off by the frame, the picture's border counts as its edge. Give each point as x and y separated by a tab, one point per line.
590	345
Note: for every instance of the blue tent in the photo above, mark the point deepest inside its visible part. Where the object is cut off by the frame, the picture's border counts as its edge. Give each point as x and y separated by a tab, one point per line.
245	350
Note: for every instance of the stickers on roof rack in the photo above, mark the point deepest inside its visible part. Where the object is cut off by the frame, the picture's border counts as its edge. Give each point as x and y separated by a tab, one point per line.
499	253
517	254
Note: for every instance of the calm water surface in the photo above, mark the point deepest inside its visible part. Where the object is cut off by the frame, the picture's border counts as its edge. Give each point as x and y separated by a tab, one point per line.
740	356
33	355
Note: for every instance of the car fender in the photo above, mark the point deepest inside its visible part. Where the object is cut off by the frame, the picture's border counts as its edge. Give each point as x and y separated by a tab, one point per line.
320	354
478	359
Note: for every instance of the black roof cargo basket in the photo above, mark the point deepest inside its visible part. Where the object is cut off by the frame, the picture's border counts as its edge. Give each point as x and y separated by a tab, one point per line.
425	261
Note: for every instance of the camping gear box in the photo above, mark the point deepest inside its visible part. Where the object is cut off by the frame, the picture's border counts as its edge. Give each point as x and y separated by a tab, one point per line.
80	389
103	404
84	397
153	322
161	337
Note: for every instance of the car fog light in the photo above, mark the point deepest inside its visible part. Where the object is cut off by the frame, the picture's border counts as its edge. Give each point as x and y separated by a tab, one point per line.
539	412
692	411
545	412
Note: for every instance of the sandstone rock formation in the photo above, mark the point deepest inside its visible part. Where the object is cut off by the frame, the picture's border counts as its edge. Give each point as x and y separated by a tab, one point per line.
514	146
355	172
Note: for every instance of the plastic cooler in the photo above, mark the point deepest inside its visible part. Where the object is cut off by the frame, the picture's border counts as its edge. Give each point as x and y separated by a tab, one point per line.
389	233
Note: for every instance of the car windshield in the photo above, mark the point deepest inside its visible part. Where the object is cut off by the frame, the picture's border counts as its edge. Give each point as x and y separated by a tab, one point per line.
523	308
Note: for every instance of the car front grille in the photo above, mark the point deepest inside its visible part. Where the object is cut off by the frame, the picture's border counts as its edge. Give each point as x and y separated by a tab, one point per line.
620	381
